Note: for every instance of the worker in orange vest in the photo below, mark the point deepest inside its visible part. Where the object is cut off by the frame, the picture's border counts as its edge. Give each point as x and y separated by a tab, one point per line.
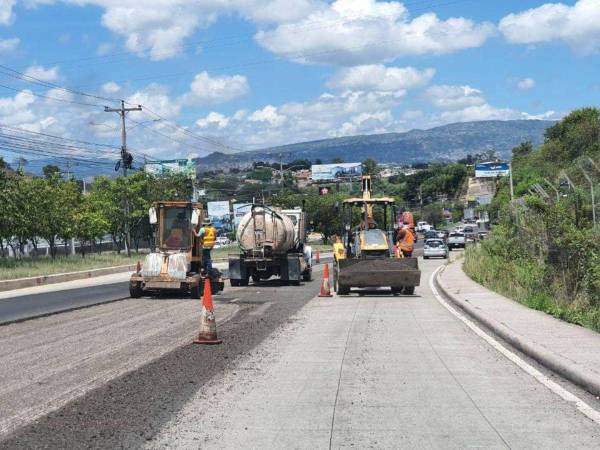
406	241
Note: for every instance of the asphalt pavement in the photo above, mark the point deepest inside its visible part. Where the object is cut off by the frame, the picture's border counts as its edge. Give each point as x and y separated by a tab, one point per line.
36	305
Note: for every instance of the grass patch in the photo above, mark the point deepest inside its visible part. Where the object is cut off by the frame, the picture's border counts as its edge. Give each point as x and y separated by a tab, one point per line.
44	265
523	281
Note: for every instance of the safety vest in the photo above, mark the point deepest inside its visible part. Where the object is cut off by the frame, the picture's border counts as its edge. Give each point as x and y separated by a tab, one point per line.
209	238
339	252
407	244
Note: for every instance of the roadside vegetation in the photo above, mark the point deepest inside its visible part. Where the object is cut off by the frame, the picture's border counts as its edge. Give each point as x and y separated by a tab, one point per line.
32	267
544	250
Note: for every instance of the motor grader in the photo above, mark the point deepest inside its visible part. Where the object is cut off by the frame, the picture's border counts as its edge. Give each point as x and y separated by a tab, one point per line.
366	256
177	264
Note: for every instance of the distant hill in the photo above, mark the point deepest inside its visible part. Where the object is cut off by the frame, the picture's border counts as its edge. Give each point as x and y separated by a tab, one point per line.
444	143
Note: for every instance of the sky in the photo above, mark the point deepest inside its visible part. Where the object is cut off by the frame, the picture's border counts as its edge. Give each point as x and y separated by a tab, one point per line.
234	75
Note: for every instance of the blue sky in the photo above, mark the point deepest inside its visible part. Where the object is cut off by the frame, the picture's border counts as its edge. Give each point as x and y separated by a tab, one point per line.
244	74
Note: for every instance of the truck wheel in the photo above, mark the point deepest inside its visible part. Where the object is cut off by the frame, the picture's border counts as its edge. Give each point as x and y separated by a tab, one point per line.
396	291
342	289
409	290
135	291
307	275
196	290
255	278
234	283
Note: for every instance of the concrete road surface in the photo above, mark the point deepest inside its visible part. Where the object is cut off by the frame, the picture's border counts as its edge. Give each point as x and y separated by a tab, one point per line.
295	371
375	371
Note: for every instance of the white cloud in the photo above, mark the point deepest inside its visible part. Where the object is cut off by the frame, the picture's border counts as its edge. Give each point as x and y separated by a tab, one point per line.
352	32
6	12
381	78
104	49
219	89
213	119
526	83
42	73
9	45
111	87
577	25
268	115
156	97
454	97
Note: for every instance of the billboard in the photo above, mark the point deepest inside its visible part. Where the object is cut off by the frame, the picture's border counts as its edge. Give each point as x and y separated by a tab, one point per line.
492	170
330	172
169	166
219	214
239	211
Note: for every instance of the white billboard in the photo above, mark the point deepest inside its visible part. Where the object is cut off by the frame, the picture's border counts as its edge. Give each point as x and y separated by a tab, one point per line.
169	166
331	172
239	211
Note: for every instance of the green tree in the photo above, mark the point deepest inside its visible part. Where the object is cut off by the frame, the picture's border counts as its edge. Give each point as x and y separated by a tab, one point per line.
369	167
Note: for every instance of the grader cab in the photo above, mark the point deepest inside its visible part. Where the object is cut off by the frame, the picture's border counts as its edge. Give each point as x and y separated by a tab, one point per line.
177	264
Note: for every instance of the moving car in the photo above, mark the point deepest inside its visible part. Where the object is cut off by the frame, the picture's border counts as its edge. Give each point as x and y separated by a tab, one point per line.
435	248
431	234
423	226
456	240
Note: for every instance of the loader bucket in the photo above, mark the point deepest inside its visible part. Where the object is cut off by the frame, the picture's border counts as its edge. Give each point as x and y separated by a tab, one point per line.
383	272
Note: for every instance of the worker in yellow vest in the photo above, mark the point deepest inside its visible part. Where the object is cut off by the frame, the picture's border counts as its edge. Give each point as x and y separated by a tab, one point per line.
208	237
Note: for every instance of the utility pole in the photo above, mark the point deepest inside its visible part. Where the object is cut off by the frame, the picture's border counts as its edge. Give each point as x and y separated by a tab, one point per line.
125	162
122	111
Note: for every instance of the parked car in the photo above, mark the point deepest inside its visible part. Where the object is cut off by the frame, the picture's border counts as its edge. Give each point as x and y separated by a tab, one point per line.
456	240
470	233
435	248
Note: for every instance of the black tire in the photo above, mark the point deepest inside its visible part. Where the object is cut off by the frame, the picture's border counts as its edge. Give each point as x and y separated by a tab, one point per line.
425	257
342	289
396	291
409	290
255	278
196	290
234	283
307	275
135	291
449	249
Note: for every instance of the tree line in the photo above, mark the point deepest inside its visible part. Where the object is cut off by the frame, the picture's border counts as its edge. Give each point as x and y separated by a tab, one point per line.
55	209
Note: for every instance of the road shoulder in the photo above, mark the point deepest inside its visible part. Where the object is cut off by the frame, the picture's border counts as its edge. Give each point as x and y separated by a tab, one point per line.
566	349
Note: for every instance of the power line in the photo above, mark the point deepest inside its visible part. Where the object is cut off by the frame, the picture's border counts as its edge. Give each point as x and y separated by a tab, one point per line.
35	94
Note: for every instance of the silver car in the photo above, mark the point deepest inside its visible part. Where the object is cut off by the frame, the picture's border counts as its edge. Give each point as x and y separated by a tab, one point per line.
435	248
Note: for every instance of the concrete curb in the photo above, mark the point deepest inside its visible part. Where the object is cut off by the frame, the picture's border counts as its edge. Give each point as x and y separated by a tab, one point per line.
19	283
563	367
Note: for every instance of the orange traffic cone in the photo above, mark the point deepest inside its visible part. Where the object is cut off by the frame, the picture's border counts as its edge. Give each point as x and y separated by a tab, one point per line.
325	289
138	267
318	258
208	325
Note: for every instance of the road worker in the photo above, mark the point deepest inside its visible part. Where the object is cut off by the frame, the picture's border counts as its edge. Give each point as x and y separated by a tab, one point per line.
338	249
406	241
208	238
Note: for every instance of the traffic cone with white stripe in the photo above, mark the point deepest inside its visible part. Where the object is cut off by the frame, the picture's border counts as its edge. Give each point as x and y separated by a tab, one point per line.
325	287
208	325
318	258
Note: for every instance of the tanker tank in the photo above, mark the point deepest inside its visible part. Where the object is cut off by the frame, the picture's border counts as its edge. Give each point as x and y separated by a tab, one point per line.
266	229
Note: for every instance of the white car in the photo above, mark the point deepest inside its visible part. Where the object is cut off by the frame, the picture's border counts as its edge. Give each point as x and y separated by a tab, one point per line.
435	248
423	226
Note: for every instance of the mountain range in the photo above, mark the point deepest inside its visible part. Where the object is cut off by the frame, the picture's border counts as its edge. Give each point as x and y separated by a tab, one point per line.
444	143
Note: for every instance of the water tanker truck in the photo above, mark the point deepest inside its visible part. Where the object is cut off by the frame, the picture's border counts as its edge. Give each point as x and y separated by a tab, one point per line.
272	242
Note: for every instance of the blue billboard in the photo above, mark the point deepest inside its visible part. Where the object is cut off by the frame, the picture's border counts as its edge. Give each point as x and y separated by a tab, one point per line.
332	172
492	170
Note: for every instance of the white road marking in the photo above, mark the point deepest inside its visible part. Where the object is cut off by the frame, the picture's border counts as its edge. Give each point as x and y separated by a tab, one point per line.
582	406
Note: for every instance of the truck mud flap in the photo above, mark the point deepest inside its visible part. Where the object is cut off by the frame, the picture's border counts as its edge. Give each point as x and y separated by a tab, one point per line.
392	272
237	269
290	268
